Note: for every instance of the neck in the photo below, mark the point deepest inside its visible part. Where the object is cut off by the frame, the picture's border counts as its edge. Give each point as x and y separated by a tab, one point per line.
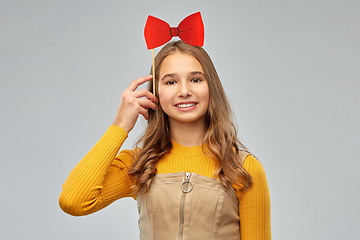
187	134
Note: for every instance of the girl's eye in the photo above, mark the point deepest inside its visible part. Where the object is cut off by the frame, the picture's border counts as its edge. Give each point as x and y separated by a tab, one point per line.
196	80
170	82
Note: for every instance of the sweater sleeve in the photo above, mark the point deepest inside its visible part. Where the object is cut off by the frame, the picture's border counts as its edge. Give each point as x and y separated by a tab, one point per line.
100	177
254	204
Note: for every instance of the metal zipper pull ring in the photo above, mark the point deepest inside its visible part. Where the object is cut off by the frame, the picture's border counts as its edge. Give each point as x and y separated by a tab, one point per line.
184	186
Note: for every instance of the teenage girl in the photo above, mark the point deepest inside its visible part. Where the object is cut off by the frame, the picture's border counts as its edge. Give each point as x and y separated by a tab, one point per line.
191	176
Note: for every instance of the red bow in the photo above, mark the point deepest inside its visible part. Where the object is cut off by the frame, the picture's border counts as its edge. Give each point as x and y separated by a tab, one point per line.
190	30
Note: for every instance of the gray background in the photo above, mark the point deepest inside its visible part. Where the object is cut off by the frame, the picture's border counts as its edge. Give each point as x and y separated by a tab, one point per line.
290	69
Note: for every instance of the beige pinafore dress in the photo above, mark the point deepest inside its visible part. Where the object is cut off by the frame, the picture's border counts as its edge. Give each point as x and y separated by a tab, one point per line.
188	206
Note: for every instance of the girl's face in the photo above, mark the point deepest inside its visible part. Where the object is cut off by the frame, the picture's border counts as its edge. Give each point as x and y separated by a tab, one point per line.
183	89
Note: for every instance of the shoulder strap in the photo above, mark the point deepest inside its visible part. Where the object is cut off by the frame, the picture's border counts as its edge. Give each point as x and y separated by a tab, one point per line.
243	155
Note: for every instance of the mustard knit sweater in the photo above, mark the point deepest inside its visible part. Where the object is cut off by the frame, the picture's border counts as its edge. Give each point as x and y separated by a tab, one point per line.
101	178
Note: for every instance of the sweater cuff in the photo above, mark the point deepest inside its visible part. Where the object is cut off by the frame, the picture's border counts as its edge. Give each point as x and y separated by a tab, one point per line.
117	132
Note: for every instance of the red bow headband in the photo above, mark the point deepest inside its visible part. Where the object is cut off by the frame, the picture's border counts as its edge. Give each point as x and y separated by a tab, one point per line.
158	32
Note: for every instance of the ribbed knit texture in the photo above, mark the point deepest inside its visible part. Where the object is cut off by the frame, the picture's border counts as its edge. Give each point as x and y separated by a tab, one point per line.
101	178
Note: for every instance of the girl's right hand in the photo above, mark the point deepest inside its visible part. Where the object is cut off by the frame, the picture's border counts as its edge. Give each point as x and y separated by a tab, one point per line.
134	102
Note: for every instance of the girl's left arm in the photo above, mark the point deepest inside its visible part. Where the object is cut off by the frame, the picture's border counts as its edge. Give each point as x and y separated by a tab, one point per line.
254	204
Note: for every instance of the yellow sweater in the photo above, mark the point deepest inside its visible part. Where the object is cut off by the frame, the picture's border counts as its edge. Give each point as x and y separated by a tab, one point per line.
101	178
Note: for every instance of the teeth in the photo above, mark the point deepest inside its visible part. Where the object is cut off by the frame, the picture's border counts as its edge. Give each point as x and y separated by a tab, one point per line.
185	105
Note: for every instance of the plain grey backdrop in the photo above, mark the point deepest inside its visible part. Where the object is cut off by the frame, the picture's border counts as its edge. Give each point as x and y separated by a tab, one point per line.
290	70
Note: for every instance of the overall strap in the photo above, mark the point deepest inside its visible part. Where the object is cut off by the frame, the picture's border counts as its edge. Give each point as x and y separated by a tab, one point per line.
243	155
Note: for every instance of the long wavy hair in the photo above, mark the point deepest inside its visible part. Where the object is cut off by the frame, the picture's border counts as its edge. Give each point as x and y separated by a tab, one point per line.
220	130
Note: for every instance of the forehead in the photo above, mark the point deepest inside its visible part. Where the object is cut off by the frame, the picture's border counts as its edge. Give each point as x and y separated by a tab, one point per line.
180	63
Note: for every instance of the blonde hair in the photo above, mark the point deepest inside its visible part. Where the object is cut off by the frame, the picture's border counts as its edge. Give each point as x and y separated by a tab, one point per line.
220	130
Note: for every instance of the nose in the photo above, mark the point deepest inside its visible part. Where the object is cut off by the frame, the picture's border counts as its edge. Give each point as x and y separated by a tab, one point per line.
184	90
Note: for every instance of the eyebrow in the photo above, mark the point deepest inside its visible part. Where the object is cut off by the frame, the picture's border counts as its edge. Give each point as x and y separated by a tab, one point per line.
197	72
171	75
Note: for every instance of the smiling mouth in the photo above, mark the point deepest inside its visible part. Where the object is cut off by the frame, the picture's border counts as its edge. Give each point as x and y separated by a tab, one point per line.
185	105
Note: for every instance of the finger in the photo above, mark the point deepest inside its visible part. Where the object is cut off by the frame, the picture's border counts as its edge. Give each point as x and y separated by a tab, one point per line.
144	113
146	104
137	82
145	93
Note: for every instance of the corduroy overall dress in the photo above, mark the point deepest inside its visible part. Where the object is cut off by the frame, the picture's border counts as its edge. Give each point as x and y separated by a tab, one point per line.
188	206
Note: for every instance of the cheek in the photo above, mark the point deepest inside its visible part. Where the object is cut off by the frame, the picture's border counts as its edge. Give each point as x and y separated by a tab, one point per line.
207	100
164	99
205	94
167	94
162	96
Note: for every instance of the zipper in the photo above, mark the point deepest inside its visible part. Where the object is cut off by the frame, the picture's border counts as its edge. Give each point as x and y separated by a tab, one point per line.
184	188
